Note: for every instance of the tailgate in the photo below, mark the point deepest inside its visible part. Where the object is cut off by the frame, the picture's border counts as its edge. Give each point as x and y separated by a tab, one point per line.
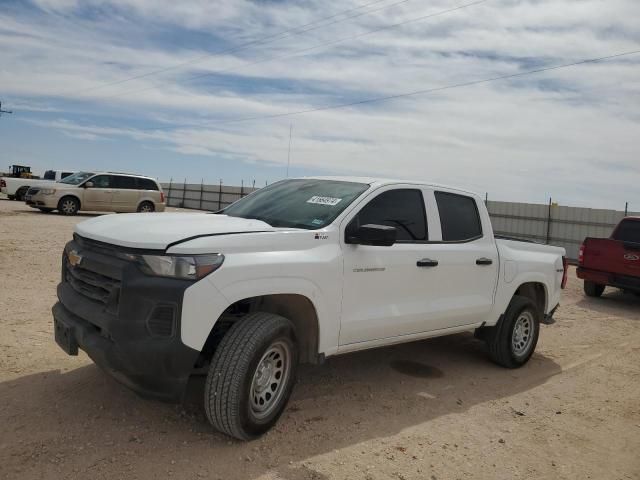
612	256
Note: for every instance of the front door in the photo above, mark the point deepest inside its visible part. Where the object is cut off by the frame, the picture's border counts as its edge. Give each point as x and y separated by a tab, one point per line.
387	291
99	195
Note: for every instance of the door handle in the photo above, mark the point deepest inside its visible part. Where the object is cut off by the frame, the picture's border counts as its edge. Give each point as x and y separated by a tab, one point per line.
484	261
427	262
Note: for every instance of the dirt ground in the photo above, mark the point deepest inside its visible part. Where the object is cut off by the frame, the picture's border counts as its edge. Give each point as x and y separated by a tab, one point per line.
435	409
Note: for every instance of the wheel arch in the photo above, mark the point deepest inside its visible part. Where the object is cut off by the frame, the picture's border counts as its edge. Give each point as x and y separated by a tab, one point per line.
76	197
536	292
297	308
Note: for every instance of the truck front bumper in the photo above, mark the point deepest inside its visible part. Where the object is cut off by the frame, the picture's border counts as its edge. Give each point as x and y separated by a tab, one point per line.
127	322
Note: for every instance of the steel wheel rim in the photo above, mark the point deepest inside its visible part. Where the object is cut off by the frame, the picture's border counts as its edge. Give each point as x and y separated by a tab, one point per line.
523	331
145	208
68	206
270	379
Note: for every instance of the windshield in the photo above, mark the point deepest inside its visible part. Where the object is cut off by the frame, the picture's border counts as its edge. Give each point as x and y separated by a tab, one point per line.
300	203
77	178
628	231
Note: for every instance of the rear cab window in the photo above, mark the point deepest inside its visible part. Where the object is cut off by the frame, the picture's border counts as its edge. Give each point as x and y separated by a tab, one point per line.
628	231
459	217
402	209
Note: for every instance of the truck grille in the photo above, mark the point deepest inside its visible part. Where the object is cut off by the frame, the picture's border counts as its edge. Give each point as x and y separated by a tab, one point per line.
91	284
98	275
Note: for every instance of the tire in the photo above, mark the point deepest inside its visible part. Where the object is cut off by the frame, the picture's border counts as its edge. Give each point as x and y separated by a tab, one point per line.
237	400
68	206
146	207
592	289
513	340
11	197
20	193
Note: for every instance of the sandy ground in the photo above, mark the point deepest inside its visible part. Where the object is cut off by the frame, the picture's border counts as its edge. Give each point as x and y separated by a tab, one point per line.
435	409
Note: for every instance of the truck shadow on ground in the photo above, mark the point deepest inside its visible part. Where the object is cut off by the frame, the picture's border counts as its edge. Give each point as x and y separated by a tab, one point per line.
84	417
613	302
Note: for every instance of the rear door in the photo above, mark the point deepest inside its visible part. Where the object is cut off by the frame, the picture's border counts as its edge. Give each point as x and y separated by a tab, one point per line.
125	194
99	196
467	261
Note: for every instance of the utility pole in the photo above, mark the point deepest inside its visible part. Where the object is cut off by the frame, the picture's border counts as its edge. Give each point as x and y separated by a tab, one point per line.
289	151
4	111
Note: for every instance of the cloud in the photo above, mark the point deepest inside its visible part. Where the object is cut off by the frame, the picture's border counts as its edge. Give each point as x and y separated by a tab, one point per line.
522	138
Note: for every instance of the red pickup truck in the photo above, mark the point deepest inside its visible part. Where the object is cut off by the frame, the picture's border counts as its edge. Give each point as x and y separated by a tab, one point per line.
613	261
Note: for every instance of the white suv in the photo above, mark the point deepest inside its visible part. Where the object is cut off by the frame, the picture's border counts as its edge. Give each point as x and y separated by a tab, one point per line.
113	192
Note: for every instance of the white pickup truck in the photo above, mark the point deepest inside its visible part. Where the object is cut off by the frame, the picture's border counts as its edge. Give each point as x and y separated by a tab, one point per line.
16	188
295	272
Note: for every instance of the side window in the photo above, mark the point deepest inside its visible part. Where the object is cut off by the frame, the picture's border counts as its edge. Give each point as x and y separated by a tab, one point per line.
146	184
127	183
459	217
65	175
49	175
402	209
101	181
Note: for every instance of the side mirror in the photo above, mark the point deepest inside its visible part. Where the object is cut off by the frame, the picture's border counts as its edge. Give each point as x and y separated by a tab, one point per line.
88	185
376	235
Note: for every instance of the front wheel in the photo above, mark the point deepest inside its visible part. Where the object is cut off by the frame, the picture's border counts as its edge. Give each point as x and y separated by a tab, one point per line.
68	206
592	289
513	340
146	207
251	375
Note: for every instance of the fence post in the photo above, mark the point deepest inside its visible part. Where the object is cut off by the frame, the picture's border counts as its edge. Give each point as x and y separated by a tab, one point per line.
549	223
220	196
626	208
201	190
486	197
241	188
184	191
169	192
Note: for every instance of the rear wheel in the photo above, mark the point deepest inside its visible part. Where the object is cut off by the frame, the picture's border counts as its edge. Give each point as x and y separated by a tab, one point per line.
513	340
68	206
11	197
146	207
21	193
592	289
251	375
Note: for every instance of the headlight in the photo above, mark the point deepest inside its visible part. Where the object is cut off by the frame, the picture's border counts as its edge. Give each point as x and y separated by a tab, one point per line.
187	267
47	191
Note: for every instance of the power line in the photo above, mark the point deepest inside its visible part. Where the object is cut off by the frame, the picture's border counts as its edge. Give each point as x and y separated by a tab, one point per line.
307	49
4	111
406	94
263	40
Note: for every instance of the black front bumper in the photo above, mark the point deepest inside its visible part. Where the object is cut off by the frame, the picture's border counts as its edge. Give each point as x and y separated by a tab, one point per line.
126	321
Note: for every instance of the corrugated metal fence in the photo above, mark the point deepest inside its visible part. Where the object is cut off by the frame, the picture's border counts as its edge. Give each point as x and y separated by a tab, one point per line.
553	224
200	196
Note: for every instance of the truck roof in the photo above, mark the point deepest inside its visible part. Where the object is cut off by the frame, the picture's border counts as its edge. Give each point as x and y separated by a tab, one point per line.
376	181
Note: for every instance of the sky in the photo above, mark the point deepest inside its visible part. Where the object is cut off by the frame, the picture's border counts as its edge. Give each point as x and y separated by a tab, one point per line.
209	90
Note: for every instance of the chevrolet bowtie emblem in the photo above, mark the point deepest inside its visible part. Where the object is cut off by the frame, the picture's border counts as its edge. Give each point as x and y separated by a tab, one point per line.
74	258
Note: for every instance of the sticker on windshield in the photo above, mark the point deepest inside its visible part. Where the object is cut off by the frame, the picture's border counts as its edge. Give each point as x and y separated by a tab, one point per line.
318	221
332	202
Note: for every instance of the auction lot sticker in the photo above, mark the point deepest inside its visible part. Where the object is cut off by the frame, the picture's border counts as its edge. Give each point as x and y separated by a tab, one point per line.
332	202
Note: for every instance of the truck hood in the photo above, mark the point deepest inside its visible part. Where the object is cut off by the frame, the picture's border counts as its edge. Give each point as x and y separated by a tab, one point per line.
157	231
